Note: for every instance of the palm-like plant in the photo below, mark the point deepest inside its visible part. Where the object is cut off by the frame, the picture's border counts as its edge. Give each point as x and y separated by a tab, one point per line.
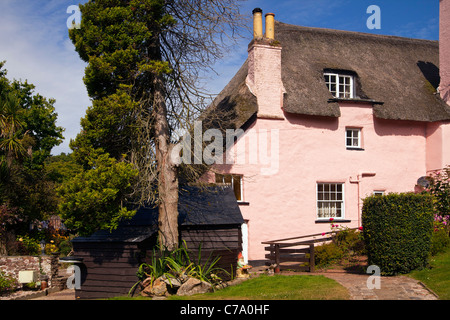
11	126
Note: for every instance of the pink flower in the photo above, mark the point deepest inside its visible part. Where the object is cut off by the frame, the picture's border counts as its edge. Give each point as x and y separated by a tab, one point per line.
331	219
360	228
323	233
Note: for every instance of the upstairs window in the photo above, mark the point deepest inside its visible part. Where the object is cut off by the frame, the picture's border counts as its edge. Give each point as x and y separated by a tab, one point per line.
353	138
234	180
340	85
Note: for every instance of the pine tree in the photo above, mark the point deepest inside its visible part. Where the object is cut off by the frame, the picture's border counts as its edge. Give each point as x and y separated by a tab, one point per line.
149	54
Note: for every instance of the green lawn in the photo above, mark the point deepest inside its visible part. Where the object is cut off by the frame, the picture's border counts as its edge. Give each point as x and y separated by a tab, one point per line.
438	277
278	287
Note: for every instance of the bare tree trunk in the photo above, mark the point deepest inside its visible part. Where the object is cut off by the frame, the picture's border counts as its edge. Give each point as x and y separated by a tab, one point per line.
167	172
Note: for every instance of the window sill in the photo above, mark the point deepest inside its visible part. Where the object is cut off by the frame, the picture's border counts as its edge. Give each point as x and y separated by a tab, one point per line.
243	203
334	221
355	149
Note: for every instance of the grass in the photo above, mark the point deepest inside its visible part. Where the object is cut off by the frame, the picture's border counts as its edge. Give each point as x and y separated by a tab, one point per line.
278	287
437	278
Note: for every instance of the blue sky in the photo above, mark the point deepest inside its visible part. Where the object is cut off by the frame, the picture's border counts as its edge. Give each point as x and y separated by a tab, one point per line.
34	42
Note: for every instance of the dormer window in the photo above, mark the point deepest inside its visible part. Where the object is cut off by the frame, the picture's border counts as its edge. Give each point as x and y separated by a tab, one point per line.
340	85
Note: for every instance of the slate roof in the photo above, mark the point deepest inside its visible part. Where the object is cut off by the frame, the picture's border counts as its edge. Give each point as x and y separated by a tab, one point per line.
399	76
208	206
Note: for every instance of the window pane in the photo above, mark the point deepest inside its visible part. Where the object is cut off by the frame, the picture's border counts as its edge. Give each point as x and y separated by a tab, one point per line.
237	187
219	178
227	178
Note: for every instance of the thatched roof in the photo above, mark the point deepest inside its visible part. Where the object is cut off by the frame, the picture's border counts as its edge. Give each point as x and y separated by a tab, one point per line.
398	75
236	104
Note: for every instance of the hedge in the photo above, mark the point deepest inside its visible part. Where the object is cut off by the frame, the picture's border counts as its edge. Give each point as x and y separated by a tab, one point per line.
397	231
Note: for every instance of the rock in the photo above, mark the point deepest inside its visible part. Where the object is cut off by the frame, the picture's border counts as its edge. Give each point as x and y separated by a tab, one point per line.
147	282
173	282
194	286
159	288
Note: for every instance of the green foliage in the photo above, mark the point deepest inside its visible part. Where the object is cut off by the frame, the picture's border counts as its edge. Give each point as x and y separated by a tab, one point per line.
28	132
28	246
93	199
178	264
397	231
7	283
345	244
120	41
107	126
327	254
440	188
440	239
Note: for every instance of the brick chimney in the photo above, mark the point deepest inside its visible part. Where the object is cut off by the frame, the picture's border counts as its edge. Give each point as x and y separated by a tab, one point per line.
444	49
264	68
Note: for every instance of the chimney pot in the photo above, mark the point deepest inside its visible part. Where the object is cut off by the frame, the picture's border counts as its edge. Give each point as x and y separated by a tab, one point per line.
257	23
270	26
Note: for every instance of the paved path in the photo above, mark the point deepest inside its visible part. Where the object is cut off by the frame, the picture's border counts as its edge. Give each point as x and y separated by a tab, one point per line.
67	294
391	288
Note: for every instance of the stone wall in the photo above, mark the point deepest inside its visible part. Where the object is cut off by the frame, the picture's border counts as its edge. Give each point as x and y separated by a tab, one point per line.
11	265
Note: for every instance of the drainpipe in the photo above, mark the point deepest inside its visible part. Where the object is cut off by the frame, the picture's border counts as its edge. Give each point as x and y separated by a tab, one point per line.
358	181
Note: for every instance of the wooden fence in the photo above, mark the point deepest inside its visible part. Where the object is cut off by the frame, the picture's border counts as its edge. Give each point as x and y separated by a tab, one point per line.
295	250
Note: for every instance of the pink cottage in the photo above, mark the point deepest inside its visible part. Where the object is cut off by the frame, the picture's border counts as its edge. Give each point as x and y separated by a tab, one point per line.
327	118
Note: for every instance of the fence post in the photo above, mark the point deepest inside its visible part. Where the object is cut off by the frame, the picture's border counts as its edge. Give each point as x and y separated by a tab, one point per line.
277	258
311	257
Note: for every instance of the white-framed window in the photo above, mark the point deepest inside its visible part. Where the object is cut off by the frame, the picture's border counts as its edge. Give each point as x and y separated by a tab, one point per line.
235	181
340	85
353	138
330	200
378	192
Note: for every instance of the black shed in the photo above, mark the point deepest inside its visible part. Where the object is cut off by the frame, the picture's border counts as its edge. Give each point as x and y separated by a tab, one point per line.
209	217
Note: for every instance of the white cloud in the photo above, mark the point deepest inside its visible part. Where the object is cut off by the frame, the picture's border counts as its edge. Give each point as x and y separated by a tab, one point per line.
36	46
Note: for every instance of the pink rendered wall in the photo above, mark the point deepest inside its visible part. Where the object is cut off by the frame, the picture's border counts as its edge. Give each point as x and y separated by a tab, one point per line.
444	49
438	145
311	150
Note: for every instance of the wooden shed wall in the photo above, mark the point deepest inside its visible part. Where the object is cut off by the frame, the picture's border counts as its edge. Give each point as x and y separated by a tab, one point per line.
223	241
109	269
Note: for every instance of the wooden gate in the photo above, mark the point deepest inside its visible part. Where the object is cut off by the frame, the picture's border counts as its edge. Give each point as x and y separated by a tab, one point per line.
293	250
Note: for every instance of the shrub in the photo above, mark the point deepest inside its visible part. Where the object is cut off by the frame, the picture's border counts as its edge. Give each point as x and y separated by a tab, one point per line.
28	246
440	239
7	283
440	188
345	243
397	231
327	254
